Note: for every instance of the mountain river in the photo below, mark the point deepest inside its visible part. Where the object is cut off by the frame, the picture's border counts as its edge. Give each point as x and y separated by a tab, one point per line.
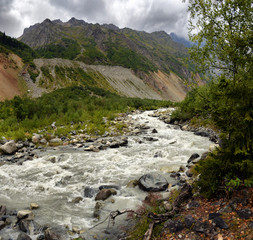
54	184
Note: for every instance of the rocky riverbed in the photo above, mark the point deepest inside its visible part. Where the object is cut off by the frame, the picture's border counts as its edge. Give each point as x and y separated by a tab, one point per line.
78	183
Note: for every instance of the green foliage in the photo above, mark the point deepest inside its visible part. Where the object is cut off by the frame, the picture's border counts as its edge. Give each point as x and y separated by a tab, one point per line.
227	100
67	48
9	44
126	57
85	106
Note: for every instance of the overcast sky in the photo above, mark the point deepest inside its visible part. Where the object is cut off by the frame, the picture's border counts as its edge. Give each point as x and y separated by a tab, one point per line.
147	15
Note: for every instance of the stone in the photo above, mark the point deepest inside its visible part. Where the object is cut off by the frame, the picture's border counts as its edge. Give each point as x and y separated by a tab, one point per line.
2	225
51	235
188	173
193	157
132	184
90	192
219	222
202	134
154	131
104	194
55	140
167	206
23	236
181	168
43	141
153	182
189	221
108	187
213	215
2	210
202	227
77	200
244	213
193	204
36	138
174	225
97	210
28	214
34	206
9	147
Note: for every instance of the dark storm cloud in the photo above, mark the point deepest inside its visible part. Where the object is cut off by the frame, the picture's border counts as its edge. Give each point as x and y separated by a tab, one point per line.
147	15
8	21
90	10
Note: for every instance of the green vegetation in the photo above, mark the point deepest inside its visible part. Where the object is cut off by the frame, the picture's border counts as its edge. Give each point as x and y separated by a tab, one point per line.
67	48
11	45
227	100
85	107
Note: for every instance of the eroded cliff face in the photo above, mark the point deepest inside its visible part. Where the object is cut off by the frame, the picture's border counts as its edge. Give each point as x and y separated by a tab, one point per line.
10	68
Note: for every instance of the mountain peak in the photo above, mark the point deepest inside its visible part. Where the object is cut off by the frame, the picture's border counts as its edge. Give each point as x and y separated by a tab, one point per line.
47	21
74	22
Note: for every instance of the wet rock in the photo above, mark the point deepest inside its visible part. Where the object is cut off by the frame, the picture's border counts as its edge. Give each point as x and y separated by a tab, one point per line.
158	154
244	213
174	225
108	187
9	148
202	133
2	210
189	173
29	226
77	200
175	175
132	184
193	157
97	210
34	206
104	194
151	139
90	192
23	236
219	222
154	131
153	182
2	225
40	237
52	235
181	168
25	214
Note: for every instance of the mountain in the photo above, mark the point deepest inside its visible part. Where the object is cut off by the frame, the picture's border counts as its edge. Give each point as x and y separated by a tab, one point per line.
108	45
56	54
181	40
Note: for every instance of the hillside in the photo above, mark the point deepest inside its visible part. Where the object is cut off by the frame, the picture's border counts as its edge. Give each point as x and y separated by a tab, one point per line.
107	45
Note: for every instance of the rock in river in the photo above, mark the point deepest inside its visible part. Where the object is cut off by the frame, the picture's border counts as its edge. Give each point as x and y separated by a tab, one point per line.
153	182
9	147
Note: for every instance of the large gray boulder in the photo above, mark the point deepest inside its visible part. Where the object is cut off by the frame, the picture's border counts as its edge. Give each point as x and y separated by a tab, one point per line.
9	147
153	182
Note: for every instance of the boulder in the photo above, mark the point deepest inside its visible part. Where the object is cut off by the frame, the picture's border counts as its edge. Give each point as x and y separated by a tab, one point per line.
189	221
9	147
90	192
193	157
77	200
244	213
104	194
52	235
97	210
36	138
219	222
28	214
108	187
153	182
174	225
55	140
34	206
23	236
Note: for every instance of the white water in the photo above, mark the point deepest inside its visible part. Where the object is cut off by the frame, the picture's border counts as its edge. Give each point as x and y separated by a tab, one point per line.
54	185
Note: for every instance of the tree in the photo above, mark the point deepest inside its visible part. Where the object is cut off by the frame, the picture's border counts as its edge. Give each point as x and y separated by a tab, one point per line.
223	32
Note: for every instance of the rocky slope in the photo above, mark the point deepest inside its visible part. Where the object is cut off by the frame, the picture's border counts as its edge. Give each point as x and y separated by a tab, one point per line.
10	66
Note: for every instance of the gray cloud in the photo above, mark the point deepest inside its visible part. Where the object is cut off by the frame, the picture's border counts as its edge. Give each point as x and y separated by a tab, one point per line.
147	15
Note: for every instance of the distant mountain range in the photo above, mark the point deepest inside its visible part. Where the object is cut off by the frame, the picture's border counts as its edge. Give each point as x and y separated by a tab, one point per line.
156	63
